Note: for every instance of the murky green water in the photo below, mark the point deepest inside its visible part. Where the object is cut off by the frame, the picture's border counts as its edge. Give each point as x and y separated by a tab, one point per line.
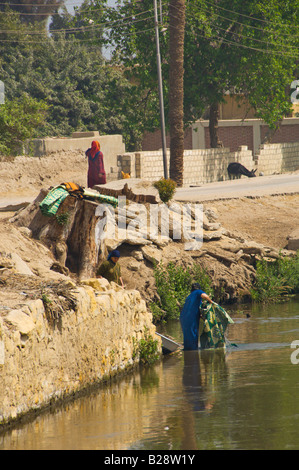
244	398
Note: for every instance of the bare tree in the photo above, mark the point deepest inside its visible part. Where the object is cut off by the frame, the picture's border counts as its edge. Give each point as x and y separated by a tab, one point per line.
176	88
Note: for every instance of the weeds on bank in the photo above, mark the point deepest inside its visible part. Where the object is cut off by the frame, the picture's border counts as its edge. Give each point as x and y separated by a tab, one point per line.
146	349
173	284
276	281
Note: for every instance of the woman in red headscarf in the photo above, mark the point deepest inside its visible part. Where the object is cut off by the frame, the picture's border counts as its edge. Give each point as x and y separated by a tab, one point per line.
96	171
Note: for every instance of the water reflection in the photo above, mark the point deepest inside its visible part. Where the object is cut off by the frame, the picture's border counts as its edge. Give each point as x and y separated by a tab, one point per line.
240	398
202	371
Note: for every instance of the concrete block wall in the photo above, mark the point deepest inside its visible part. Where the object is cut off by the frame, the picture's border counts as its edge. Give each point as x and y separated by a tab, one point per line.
200	165
278	158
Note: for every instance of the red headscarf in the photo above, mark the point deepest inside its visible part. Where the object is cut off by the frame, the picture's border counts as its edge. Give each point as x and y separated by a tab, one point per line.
95	148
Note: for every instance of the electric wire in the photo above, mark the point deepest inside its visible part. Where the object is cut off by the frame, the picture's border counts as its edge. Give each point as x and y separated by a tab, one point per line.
133	21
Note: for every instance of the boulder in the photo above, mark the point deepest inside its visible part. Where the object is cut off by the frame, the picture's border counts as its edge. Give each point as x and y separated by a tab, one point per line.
293	240
152	254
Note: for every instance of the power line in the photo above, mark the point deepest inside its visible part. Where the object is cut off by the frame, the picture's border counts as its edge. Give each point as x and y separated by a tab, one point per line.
86	28
238	44
248	16
251	26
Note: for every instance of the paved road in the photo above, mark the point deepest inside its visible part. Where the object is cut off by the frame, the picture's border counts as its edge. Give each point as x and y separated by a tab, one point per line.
259	186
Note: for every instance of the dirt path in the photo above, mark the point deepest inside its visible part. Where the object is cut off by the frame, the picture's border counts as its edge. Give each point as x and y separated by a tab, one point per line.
267	220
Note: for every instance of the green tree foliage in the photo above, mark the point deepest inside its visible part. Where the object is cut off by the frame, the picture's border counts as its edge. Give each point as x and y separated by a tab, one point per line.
132	38
19	119
81	89
37	11
241	47
230	46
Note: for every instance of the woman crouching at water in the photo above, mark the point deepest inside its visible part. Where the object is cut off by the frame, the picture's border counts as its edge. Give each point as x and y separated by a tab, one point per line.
110	269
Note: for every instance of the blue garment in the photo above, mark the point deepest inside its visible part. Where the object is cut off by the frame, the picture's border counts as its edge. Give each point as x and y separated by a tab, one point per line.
113	254
189	319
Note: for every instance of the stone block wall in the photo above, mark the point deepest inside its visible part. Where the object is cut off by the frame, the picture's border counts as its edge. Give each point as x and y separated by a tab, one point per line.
278	158
40	363
200	165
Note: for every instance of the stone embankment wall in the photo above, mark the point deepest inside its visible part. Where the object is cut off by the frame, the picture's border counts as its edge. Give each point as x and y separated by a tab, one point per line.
40	362
208	165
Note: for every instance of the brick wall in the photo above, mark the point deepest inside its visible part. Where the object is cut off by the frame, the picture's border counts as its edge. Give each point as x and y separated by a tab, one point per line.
285	134
233	134
232	137
153	140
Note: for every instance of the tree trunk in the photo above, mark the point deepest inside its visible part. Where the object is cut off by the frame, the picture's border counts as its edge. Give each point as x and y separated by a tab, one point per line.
176	88
213	126
70	235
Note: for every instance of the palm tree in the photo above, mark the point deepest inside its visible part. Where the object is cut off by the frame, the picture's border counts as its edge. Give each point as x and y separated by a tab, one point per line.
176	88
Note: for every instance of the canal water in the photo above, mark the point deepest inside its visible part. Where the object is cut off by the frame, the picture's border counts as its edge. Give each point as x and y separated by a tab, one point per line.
246	397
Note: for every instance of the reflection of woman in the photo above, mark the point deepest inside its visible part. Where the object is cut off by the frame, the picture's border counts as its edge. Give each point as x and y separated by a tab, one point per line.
96	171
110	269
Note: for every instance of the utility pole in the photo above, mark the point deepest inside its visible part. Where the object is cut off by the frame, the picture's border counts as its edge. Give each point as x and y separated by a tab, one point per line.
161	100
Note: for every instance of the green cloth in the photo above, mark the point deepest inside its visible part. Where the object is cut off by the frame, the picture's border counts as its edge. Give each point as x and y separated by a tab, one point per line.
50	204
212	325
101	198
110	271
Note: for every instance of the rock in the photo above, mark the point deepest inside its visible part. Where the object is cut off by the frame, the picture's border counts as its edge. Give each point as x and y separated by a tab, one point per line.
253	248
133	265
216	235
211	226
137	254
151	254
211	214
160	241
293	240
98	284
20	266
26	231
20	321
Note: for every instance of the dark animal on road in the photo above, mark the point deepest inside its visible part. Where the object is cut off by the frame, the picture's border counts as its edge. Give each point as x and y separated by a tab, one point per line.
235	170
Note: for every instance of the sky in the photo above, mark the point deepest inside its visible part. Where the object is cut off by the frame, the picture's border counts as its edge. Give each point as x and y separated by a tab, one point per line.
70	7
71	3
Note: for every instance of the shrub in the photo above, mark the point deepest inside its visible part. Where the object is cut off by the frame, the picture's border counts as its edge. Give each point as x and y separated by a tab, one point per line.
146	349
276	280
166	189
173	284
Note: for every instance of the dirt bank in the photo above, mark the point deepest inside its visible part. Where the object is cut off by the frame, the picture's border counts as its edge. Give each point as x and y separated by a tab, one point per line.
229	259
